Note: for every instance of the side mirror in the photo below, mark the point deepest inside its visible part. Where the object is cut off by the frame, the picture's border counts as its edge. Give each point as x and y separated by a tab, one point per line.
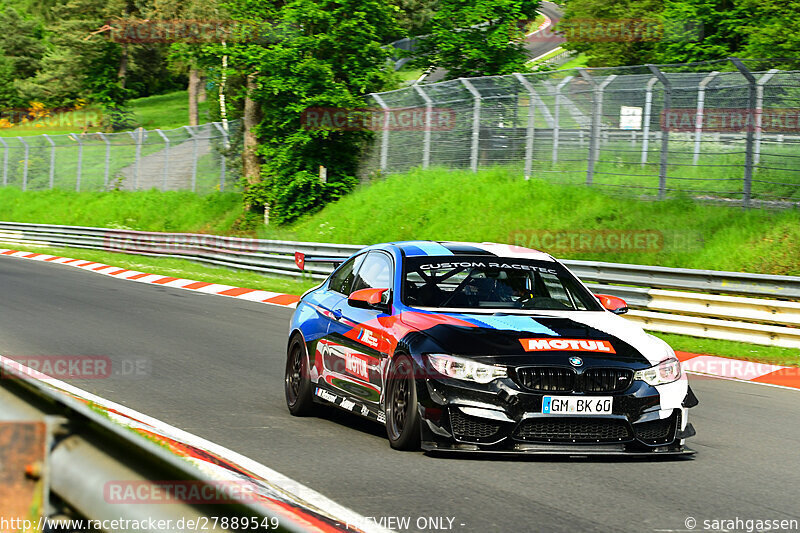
370	298
612	303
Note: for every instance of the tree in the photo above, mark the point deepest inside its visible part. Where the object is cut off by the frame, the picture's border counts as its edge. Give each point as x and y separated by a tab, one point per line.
477	38
21	52
330	54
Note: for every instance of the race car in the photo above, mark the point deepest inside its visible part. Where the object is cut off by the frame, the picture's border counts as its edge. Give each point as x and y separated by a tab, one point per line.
483	347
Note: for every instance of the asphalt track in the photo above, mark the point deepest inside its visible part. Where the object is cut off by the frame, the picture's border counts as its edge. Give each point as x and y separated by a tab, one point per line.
215	368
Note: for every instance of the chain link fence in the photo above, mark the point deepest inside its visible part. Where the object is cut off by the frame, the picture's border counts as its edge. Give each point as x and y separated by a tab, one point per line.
200	158
726	131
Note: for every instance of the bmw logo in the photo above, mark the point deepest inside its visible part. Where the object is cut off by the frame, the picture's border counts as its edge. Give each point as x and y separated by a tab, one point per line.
575	361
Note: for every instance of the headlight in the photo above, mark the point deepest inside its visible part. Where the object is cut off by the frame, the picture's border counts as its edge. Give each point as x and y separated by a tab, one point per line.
465	369
664	372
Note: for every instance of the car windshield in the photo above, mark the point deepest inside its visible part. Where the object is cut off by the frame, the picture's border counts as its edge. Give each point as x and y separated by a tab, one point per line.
473	282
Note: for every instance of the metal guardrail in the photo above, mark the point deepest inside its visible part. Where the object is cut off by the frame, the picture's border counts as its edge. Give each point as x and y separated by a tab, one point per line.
643	287
81	451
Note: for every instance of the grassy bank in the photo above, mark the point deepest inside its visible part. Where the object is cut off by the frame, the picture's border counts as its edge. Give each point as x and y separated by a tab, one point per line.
174	211
496	205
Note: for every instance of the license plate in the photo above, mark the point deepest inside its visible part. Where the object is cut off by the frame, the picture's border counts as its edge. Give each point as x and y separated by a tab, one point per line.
571	405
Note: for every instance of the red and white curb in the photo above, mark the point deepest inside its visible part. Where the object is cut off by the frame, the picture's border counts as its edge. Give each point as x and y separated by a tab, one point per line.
281	495
254	295
699	364
739	370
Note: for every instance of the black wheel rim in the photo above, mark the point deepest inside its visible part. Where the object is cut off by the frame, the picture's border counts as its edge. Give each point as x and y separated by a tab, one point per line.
294	368
400	401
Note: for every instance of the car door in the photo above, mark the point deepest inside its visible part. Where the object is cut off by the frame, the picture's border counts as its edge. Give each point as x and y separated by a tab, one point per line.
356	340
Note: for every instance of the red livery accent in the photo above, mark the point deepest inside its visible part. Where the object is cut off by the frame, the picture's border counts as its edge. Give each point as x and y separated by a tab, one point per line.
566	345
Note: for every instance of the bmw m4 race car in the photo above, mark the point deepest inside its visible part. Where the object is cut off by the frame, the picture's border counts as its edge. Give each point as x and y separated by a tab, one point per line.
483	348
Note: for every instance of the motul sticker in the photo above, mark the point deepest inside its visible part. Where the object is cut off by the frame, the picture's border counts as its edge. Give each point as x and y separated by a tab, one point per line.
566	345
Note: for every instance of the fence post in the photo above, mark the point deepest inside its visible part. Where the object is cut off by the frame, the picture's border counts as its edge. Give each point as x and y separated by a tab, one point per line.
595	127
662	170
698	119
5	161
108	159
226	144
531	130
194	157
25	163
166	159
751	108
600	91
557	116
384	160
760	110
137	139
476	124
80	162
426	142
648	108
52	158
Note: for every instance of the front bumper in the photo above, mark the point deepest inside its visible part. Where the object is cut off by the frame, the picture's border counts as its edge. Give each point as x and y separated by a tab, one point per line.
501	418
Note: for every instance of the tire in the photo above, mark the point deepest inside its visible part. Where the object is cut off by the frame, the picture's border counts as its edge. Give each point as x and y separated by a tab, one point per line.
402	415
297	384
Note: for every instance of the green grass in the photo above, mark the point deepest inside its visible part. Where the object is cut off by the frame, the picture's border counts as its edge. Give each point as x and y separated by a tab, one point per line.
163	111
166	111
736	350
498	205
579	61
172	211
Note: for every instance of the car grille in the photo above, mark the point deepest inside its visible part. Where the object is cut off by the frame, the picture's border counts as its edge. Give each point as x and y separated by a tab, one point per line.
562	379
547	379
607	379
658	431
573	430
469	428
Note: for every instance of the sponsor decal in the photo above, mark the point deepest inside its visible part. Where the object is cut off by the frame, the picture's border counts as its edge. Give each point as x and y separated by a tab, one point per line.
566	345
484	264
347	404
366	337
325	395
382	417
357	366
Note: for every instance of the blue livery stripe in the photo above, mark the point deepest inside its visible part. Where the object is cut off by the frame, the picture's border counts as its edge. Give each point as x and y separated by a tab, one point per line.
512	323
423	248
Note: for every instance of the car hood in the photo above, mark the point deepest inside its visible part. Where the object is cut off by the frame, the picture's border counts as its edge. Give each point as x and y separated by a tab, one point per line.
540	337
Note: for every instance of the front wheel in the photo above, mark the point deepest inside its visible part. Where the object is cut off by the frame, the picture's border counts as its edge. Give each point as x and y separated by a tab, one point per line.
402	416
297	384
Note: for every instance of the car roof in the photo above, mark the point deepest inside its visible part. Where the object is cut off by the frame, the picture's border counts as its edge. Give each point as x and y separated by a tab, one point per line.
444	248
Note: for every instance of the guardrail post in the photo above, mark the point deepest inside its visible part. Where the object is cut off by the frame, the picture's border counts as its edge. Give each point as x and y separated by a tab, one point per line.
166	159
531	129
226	144
194	157
384	158
648	109
80	162
426	142
698	118
25	163
5	161
763	80
662	171
751	109
108	159
52	158
557	116
593	135
476	124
